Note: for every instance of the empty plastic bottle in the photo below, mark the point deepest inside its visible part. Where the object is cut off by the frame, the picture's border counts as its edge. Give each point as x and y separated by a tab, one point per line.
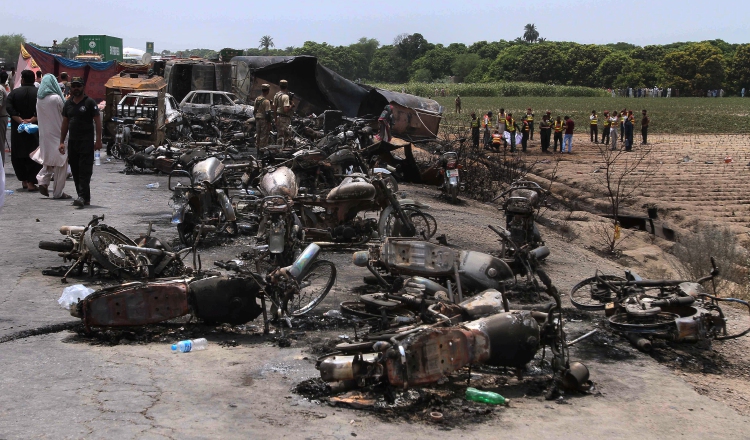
475	395
152	185
9	192
97	158
190	345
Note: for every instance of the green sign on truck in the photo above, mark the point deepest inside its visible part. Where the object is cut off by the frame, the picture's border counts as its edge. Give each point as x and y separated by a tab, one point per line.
110	48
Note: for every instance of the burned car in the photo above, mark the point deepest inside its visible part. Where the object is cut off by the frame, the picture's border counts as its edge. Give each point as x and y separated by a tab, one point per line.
225	104
144	105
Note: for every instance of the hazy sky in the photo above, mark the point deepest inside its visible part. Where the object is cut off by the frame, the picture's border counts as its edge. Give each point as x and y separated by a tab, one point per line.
240	24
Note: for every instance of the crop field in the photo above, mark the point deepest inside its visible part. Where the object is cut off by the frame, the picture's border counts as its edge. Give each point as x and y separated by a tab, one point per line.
668	115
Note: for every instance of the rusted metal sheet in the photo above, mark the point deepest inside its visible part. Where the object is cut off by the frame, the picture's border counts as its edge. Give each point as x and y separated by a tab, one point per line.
136	304
416	257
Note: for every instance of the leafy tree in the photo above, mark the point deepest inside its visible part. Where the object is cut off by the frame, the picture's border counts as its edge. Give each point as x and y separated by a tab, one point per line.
506	66
266	42
411	47
650	53
437	61
387	66
543	63
10	47
71	45
464	64
477	75
582	62
612	66
366	47
530	34
739	72
699	67
422	75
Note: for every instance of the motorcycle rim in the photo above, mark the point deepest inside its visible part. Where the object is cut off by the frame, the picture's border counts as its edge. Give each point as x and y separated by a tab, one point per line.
592	295
313	288
97	240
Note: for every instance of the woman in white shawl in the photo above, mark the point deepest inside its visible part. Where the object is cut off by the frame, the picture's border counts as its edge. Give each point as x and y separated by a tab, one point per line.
49	105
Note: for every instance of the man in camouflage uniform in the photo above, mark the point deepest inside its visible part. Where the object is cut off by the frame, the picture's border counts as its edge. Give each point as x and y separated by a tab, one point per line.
262	111
283	107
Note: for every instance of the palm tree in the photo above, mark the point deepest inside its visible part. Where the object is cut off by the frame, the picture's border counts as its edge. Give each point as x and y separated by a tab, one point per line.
265	42
530	34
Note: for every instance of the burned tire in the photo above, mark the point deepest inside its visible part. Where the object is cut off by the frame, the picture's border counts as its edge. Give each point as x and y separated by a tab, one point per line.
57	246
314	286
98	241
592	295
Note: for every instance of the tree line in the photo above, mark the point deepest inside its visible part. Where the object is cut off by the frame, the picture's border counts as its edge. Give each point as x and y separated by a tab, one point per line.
691	67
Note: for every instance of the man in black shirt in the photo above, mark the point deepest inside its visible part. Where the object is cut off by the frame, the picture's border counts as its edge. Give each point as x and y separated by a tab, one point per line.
80	113
22	109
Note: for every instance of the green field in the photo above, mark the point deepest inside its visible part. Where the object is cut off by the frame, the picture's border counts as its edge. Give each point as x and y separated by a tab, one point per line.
668	115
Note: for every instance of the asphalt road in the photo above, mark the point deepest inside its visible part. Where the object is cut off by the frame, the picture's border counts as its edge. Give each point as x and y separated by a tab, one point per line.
58	385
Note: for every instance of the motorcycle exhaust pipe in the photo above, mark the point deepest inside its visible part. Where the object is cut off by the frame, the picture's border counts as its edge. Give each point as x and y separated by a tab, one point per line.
540	253
302	264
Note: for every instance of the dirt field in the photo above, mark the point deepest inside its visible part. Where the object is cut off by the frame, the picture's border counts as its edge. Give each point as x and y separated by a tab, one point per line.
58	383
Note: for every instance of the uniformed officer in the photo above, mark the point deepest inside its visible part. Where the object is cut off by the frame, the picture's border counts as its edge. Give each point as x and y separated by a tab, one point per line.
605	128
530	120
475	130
525	128
283	107
559	127
510	127
594	127
262	112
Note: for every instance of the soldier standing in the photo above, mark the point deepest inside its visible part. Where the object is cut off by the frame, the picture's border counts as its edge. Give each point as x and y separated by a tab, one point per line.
530	120
262	111
474	130
594	127
559	126
283	107
458	104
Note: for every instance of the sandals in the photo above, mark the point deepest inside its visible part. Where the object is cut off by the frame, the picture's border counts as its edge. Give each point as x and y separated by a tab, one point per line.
64	197
43	190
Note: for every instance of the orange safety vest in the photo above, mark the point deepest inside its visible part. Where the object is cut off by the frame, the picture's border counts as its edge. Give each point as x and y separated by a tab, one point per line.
558	126
497	138
526	125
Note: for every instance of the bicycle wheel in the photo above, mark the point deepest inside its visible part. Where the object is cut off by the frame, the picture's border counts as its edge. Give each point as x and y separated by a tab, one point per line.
313	288
102	242
591	294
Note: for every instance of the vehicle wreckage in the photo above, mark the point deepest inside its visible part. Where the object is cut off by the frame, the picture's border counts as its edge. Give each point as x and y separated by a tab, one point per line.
675	310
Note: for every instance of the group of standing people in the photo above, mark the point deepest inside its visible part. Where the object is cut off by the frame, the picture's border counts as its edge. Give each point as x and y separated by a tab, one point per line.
278	111
60	130
624	121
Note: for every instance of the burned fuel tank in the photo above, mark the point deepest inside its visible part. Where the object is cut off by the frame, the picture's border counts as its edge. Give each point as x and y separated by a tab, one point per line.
513	337
352	188
231	300
279	182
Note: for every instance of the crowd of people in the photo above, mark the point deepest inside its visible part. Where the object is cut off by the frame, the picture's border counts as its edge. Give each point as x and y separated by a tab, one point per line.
502	130
54	130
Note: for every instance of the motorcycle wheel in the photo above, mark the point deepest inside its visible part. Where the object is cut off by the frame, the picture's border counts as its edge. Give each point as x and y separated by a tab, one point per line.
391	183
99	238
591	295
453	194
393	227
313	288
186	229
626	323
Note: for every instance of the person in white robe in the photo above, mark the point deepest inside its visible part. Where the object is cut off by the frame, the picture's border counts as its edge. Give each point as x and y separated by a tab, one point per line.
49	105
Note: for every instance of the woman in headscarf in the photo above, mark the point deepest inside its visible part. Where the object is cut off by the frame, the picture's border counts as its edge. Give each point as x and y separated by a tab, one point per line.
49	105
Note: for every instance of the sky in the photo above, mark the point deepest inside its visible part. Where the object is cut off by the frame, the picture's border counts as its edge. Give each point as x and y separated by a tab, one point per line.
177	25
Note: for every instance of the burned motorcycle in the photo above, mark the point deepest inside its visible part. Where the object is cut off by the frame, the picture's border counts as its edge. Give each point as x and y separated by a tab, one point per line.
448	337
457	272
214	299
523	200
336	218
99	246
676	310
451	175
204	206
279	233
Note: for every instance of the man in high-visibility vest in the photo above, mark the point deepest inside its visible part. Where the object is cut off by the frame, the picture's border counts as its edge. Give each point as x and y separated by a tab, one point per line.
558	128
525	128
510	127
530	120
487	124
474	130
594	127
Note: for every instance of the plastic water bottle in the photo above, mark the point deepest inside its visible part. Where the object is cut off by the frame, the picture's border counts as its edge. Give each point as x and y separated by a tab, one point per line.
475	395
190	345
152	185
9	192
253	192
97	158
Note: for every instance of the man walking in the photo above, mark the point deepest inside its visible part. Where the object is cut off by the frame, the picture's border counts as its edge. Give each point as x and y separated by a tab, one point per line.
262	110
644	127
3	115
458	104
594	127
474	130
559	126
614	120
80	114
22	109
568	140
605	128
283	106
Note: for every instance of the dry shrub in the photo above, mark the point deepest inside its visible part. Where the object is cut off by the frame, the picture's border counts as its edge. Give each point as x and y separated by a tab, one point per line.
694	254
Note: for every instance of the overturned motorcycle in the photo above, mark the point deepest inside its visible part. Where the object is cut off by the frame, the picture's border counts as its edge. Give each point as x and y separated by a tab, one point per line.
293	291
98	247
675	310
